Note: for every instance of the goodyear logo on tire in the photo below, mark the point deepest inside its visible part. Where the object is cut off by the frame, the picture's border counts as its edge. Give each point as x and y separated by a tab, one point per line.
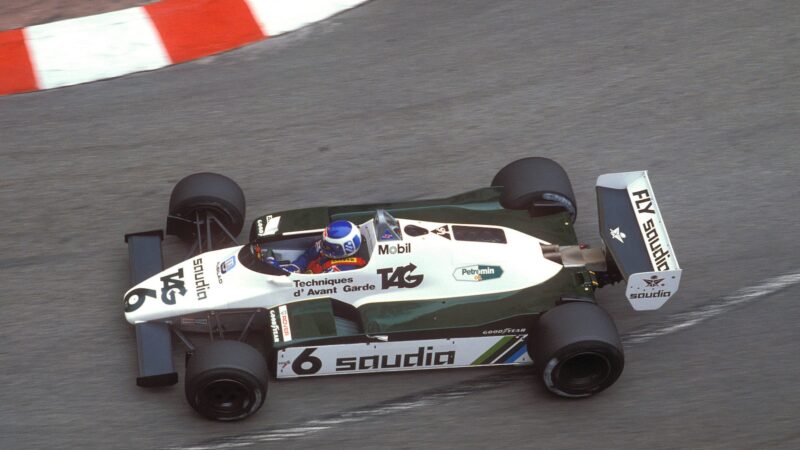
477	273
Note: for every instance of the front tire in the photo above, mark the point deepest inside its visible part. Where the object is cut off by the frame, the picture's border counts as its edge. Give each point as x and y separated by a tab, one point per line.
577	350
201	194
226	380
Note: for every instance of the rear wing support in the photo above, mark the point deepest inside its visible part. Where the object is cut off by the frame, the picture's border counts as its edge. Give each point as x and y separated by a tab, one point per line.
153	340
636	238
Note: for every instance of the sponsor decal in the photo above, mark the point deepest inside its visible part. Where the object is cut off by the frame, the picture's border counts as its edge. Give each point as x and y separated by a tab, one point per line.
477	273
345	260
388	355
171	284
654	281
644	205
268	225
505	331
358	288
396	249
443	231
618	235
657	253
643	202
322	291
273	323
506	350
648	291
322	282
285	328
260	225
329	286
400	277
225	267
200	284
228	264
661	293
349	247
135	298
423	357
306	363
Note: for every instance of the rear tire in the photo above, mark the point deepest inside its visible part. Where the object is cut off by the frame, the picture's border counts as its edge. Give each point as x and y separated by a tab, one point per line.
577	350
226	380
204	192
538	184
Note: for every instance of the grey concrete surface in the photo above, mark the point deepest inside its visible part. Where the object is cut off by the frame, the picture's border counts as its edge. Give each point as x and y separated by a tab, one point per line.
410	99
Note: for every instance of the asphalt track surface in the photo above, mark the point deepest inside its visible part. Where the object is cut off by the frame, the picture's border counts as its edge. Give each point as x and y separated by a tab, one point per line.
412	99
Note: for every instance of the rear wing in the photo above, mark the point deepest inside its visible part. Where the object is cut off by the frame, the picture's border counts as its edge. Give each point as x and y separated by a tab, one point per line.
636	238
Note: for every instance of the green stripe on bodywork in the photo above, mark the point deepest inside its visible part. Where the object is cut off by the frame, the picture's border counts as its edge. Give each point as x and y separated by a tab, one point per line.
502	351
482	359
502	359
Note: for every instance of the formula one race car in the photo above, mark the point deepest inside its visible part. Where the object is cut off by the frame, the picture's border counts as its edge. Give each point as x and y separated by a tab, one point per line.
493	276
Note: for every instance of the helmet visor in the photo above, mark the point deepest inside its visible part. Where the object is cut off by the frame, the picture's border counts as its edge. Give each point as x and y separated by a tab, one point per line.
332	250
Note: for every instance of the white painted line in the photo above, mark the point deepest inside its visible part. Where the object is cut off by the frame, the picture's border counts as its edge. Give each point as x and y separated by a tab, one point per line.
335	421
218	447
688	319
91	48
254	438
280	16
672	324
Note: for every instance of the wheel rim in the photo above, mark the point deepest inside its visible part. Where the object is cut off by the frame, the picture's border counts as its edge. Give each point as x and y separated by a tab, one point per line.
583	372
225	397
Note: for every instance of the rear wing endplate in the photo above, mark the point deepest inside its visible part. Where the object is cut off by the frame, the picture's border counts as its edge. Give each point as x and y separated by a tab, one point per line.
153	340
636	238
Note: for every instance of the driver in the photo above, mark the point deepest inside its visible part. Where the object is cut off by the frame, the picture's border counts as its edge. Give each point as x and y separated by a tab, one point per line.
335	252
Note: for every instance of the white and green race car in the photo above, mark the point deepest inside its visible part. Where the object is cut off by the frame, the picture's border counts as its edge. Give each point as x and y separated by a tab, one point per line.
494	276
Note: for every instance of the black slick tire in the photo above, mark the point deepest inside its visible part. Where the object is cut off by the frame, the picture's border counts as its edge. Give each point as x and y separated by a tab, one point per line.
226	380
538	184
577	350
206	192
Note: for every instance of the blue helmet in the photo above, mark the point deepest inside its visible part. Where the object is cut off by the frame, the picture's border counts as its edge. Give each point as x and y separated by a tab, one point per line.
340	239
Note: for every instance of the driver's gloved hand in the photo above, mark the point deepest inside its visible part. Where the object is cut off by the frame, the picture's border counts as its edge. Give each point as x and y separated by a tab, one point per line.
290	268
272	261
